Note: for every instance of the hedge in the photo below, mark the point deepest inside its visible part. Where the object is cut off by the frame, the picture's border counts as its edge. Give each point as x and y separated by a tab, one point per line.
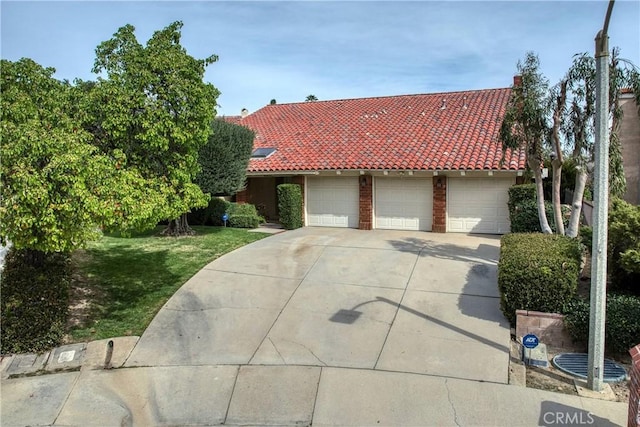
523	210
624	246
290	206
211	215
243	215
35	302
537	272
622	323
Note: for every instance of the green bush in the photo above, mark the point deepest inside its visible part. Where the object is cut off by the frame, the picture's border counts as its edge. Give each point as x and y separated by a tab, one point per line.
217	208
211	215
624	246
35	301
537	272
243	221
290	206
243	215
622	324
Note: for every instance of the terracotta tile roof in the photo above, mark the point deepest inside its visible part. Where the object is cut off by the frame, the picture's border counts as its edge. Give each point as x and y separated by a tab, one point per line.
236	120
443	131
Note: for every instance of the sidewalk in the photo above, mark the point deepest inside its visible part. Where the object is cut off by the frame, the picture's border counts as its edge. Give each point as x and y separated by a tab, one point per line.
276	395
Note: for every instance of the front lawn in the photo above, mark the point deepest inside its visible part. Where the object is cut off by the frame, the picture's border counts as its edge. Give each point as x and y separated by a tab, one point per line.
121	283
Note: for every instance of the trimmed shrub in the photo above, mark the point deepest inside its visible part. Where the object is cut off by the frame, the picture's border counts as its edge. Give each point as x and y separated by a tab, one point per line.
537	272
523	210
35	301
243	215
217	208
624	246
290	206
622	324
211	215
243	221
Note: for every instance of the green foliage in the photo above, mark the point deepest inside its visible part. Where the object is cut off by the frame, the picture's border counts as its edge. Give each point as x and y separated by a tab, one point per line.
212	214
537	272
523	210
243	215
224	159
624	246
35	300
586	236
622	324
525	121
57	188
154	110
290	206
244	221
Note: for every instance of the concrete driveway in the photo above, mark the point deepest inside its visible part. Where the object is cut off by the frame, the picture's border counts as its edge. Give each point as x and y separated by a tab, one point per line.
318	327
386	300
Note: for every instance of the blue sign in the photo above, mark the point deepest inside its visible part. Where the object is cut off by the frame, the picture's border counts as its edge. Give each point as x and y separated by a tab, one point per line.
530	341
225	217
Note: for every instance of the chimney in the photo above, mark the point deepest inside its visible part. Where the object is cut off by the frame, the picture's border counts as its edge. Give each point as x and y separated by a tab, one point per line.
517	81
244	113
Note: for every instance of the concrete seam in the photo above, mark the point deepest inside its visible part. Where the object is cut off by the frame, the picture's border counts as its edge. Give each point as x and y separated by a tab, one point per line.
285	306
67	398
233	390
315	400
395	315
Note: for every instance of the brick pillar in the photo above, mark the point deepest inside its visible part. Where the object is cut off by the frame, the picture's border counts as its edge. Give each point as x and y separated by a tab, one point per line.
634	388
439	204
365	221
299	179
519	180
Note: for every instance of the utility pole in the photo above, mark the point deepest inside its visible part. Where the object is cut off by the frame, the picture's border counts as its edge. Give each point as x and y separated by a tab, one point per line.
598	301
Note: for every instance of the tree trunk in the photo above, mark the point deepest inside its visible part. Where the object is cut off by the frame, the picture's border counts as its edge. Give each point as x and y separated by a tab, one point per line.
542	216
576	204
557	206
179	227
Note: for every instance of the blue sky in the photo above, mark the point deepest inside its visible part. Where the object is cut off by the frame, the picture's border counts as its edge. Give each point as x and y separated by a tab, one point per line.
288	50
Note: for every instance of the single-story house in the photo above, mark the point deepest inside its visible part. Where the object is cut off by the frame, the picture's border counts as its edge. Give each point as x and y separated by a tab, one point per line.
430	162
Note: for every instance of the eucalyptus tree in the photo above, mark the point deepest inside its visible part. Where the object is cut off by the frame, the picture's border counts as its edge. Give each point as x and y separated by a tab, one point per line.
525	125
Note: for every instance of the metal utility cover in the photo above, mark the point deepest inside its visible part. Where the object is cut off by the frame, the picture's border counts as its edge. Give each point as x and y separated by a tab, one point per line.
576	364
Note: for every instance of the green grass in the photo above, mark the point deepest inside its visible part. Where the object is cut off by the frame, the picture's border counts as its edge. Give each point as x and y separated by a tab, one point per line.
131	278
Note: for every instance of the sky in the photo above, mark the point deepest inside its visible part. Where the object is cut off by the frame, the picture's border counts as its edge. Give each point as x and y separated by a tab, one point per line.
331	49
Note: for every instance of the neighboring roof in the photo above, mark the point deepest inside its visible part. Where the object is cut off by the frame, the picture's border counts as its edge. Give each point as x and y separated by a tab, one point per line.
236	120
443	131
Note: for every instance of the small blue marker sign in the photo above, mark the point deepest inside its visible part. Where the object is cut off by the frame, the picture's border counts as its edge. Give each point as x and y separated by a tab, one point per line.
530	341
225	217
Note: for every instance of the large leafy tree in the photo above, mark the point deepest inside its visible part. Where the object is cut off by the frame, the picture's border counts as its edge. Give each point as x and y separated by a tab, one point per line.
151	104
57	188
525	123
224	159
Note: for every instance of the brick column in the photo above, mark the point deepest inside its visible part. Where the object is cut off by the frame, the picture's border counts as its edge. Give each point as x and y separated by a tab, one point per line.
299	179
242	196
439	204
634	388
365	217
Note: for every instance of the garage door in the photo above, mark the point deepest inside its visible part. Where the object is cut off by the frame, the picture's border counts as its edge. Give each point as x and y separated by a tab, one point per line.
403	203
332	202
478	205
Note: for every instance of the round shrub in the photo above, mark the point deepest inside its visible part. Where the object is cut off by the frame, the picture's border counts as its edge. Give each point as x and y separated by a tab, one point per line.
622	324
35	300
537	272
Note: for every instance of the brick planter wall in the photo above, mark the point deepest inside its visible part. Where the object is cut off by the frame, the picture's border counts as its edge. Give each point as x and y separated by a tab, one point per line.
634	388
548	327
365	215
439	204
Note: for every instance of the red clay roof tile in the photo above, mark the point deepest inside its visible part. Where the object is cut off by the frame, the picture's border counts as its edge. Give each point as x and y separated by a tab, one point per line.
443	131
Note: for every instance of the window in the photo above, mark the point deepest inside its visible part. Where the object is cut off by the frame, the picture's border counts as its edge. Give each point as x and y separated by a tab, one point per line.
262	153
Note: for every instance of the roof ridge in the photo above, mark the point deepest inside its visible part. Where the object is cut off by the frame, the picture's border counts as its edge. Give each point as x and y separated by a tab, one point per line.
386	96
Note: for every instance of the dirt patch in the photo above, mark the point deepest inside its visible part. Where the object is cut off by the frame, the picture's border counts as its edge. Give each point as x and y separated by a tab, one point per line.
83	293
552	379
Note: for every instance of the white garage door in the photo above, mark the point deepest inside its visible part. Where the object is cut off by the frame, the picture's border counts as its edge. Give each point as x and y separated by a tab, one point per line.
478	205
404	203
332	201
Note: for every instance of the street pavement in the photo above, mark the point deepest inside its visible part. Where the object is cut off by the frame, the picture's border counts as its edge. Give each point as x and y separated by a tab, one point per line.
315	326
